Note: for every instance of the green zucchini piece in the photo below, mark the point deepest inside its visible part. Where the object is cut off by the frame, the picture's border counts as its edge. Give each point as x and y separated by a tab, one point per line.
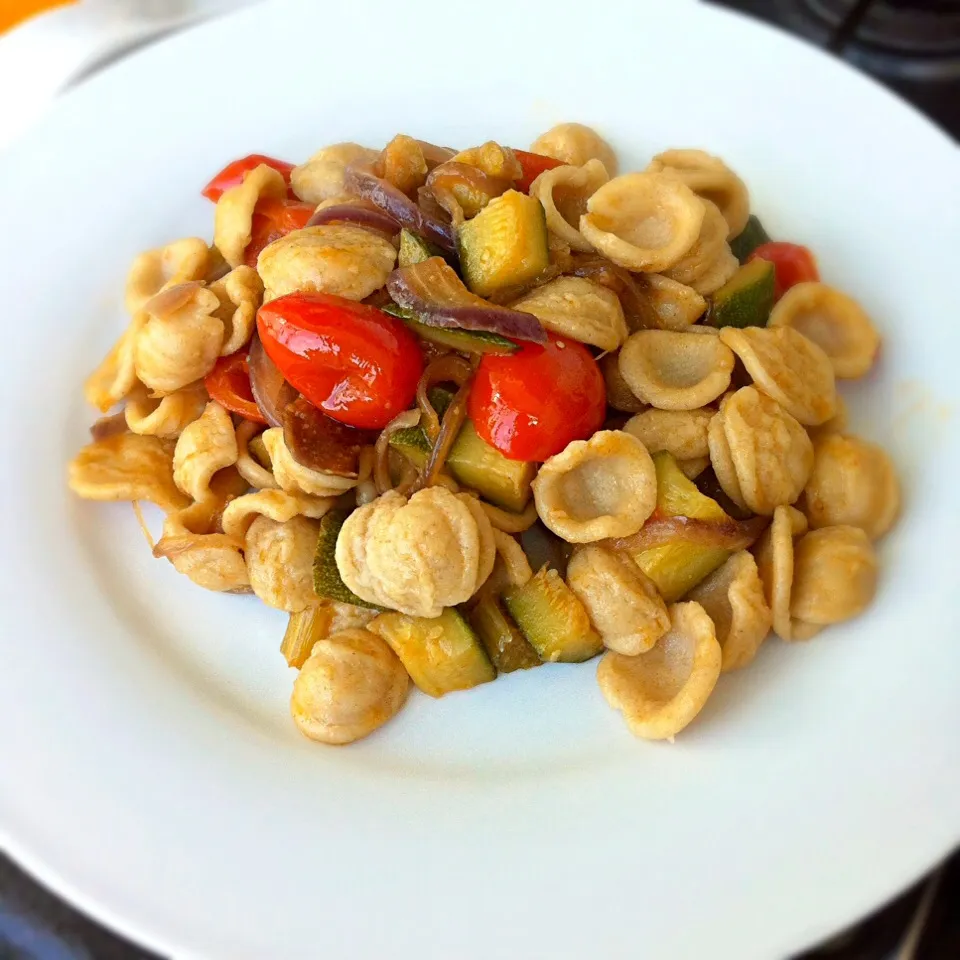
327	582
464	341
752	236
545	549
505	644
504	245
441	655
552	618
414	249
746	299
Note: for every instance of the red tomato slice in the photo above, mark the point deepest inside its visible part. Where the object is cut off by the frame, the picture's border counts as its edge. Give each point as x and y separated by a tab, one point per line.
358	365
229	384
793	264
533	165
273	219
531	404
233	173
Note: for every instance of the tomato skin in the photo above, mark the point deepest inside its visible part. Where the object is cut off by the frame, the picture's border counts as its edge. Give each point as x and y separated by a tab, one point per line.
793	264
531	404
273	219
229	384
233	173
357	364
533	165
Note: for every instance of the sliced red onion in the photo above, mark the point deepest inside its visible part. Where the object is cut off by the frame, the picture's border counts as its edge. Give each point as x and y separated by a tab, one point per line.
362	182
270	391
375	219
434	292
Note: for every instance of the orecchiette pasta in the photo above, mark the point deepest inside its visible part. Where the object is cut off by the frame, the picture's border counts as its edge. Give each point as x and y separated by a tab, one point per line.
296	478
339	259
619	395
418	555
788	367
602	487
709	177
834	322
578	309
179	262
233	217
280	561
675	371
576	144
117	374
693	467
682	433
621	601
248	466
709	264
515	563
675	305
404	164
661	691
207	445
321	177
734	600
167	416
564	192
853	483
180	340
278	505
764	457
239	293
351	684
836	424
495	161
643	221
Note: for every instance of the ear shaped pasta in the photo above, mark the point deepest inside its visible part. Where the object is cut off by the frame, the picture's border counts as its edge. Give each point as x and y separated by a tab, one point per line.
516	566
675	371
834	322
296	478
619	395
127	467
278	505
836	424
767	451
180	340
167	416
233	216
682	433
247	465
117	374
643	221
733	599
240	293
280	561
834	575
853	484
709	263
575	144
710	178
564	192
621	601
495	161
404	164
788	367
321	177
602	487
578	309
206	446
339	259
675	305
693	467
661	691
179	262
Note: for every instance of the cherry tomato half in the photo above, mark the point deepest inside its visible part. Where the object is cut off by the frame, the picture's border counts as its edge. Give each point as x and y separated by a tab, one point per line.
229	384
273	219
533	165
358	365
532	404
233	173
793	264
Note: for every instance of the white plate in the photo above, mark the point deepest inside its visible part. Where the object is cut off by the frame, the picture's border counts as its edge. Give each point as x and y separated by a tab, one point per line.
149	769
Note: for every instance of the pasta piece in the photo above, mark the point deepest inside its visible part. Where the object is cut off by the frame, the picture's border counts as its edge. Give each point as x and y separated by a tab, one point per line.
579	309
711	244
404	164
155	270
126	466
240	293
721	459
621	601
346	616
278	505
576	144
834	322
321	177
853	483
834	575
643	221
619	395
564	192
836	424
675	305
682	433
205	446
116	376
515	563
675	371
339	259
233	216
788	367
167	416
507	521
660	692
351	684
180	340
280	561
495	161
247	465
710	178
296	478
721	270
692	468
770	452
602	487
419	555
734	600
